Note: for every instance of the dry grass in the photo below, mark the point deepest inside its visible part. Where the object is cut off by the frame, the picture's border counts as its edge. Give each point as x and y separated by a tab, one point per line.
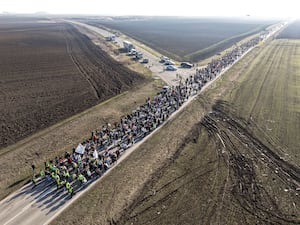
106	201
109	197
184	175
271	89
15	160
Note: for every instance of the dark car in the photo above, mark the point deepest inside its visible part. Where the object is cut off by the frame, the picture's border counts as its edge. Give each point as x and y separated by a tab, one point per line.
186	65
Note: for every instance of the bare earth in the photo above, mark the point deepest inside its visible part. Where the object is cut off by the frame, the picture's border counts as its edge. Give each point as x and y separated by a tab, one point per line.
105	203
49	72
154	65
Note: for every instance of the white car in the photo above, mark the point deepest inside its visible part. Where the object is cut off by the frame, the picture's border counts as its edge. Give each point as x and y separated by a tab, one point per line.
163	59
169	62
171	68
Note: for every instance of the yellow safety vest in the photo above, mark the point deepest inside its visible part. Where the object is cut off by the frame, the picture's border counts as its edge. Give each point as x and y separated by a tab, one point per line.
68	185
74	176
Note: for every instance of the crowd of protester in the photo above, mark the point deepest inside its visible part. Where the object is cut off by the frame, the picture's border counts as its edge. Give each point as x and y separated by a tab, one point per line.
95	156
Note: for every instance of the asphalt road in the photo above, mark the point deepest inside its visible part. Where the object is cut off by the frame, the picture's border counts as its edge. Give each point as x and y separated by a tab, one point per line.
40	205
157	68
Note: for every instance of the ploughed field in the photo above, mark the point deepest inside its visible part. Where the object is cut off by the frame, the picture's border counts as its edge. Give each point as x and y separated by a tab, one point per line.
186	38
240	164
292	31
50	71
231	157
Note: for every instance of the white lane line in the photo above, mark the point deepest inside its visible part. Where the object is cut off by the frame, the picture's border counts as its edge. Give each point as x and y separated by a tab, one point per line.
126	155
29	205
18	214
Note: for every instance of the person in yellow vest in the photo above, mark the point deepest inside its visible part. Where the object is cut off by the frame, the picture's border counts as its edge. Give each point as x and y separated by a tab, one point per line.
42	173
74	176
34	181
62	182
57	179
82	179
53	175
51	167
68	185
66	175
75	166
70	190
47	165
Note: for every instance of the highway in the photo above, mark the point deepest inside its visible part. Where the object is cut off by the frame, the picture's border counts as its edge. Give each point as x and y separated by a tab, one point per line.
154	65
40	205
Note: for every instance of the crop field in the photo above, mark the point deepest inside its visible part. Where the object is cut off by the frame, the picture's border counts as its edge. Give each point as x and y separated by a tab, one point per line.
231	157
50	71
250	145
186	38
292	31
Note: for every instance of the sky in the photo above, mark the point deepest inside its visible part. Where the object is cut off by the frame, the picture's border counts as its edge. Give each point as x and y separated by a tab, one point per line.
255	8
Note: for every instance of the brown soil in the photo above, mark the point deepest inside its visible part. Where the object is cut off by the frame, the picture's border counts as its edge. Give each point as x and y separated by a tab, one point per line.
221	174
229	170
206	166
50	71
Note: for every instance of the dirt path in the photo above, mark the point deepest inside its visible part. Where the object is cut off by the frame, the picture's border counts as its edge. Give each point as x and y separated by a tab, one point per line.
247	188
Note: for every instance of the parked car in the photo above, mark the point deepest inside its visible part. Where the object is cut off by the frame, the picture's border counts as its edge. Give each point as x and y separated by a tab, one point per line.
163	59
145	61
132	52
169	62
139	55
186	65
164	89
171	68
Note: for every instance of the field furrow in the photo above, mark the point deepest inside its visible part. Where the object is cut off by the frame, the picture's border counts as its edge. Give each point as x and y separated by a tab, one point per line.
255	175
51	73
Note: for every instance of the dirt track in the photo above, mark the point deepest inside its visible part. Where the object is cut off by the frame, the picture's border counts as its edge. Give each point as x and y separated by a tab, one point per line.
229	169
241	180
245	152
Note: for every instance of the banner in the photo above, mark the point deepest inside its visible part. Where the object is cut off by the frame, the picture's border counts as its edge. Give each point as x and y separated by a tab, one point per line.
95	154
80	149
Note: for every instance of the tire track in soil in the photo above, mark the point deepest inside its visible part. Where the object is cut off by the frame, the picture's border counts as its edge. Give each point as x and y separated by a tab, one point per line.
273	54
215	212
225	157
144	193
184	179
79	67
247	190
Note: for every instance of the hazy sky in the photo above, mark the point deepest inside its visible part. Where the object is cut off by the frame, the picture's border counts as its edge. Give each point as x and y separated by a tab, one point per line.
265	8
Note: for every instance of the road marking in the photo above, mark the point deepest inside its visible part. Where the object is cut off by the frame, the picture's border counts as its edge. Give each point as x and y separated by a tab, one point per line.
23	210
125	155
